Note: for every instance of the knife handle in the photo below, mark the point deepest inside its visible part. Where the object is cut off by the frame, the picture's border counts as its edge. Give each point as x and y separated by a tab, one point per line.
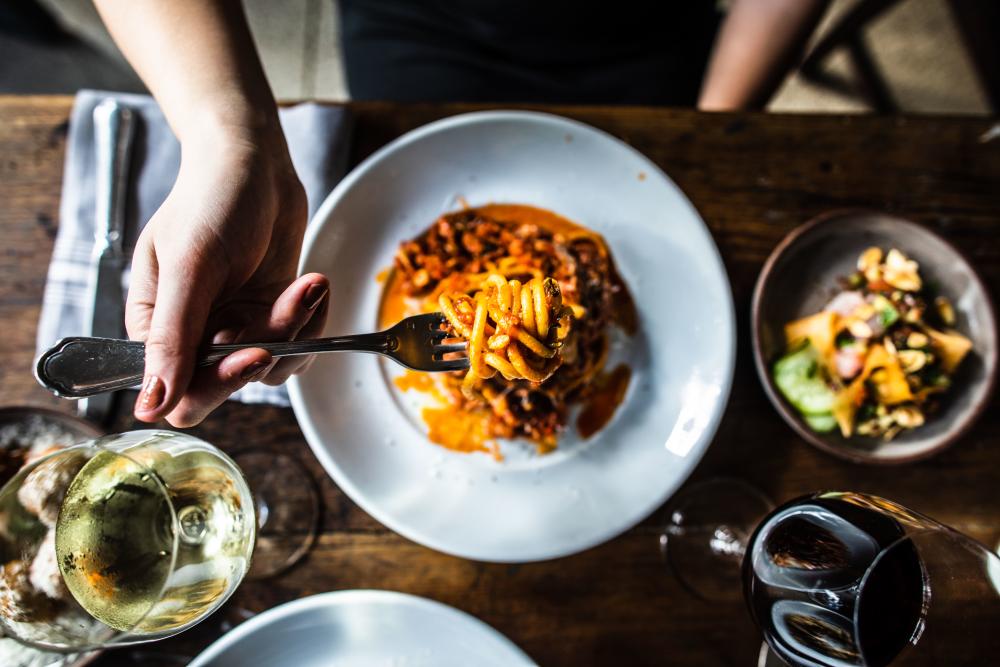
113	133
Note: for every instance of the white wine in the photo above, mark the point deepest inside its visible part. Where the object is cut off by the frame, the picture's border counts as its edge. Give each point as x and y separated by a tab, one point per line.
114	541
152	538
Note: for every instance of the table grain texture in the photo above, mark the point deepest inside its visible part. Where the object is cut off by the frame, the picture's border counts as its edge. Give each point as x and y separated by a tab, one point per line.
753	177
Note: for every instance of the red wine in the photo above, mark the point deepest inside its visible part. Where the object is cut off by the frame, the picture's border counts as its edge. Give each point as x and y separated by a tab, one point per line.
803	576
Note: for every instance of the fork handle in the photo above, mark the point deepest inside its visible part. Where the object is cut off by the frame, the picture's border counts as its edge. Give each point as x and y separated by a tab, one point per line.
81	366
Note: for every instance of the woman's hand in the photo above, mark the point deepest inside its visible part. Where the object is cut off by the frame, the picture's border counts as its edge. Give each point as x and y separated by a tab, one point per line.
217	263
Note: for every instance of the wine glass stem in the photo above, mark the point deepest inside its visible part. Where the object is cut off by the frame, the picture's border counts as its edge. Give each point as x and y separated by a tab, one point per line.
193	523
726	542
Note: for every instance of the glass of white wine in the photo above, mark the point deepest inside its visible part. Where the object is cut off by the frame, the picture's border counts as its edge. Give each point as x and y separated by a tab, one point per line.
120	540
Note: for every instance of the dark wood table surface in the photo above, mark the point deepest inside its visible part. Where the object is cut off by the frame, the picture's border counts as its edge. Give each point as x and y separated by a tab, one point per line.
753	177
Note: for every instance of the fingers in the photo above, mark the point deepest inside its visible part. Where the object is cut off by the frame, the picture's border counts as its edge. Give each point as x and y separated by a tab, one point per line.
294	311
212	385
300	308
313	328
174	332
141	290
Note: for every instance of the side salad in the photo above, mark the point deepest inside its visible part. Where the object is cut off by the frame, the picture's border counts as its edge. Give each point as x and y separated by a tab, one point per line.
876	359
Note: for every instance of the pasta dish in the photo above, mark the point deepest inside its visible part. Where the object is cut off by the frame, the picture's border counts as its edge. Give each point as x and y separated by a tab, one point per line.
534	295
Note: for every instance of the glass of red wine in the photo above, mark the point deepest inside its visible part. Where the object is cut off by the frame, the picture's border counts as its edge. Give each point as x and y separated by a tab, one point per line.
846	579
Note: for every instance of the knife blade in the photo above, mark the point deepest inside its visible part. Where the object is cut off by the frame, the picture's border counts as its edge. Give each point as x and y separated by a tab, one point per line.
113	133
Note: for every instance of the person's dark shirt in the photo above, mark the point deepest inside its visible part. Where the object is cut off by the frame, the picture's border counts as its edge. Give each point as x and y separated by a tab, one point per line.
628	52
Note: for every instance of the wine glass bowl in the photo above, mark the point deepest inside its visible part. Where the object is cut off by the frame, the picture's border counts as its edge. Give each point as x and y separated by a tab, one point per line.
838	579
705	533
123	539
960	605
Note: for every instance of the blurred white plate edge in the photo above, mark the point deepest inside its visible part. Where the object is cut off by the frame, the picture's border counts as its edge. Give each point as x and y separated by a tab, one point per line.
463	628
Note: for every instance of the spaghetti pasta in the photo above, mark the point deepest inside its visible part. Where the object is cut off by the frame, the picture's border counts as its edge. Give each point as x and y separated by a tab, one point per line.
534	294
509	327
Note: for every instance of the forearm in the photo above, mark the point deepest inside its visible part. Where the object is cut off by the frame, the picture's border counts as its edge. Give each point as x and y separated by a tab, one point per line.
759	41
198	59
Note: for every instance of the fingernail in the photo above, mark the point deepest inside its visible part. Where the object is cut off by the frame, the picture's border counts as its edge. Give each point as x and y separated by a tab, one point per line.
152	393
225	337
254	371
314	295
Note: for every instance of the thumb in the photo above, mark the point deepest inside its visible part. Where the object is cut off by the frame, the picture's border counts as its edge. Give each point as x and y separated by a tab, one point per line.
176	328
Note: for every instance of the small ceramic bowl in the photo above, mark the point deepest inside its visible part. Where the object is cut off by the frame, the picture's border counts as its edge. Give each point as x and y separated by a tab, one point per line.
75	429
801	276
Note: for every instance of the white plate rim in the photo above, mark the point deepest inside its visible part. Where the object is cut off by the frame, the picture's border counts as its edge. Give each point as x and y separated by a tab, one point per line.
697	452
347	598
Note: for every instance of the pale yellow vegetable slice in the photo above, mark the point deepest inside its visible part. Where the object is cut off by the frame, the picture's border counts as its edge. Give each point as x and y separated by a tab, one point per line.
950	346
819	329
845	405
891	388
887	376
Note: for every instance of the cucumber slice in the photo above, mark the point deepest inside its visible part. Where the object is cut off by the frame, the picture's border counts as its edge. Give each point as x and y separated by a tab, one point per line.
809	395
821	423
796	376
800	363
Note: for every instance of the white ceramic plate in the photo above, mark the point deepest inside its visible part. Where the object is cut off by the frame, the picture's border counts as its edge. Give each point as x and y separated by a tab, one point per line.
363	629
527	508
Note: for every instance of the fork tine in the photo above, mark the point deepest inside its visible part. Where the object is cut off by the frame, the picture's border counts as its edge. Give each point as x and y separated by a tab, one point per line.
452	347
432	320
452	364
424	340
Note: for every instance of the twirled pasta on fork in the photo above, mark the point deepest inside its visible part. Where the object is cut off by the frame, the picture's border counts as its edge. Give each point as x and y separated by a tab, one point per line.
513	328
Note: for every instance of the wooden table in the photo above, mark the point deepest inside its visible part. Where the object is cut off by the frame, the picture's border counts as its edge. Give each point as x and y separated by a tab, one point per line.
753	177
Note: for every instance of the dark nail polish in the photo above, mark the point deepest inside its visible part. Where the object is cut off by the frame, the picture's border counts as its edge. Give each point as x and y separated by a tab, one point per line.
151	396
254	371
314	296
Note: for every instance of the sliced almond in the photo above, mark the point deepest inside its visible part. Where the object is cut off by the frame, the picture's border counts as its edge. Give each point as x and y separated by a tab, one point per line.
890	347
870	258
860	329
908	416
900	272
873	274
891	433
912	360
897	260
945	310
864	311
917	340
869	427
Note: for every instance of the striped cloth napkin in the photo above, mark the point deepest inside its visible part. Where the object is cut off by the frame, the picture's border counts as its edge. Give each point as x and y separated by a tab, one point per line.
318	140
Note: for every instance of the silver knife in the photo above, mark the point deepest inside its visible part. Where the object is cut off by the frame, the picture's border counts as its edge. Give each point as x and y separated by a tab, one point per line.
113	132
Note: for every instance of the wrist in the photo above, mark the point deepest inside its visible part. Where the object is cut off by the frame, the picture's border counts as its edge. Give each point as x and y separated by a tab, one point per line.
236	139
230	116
